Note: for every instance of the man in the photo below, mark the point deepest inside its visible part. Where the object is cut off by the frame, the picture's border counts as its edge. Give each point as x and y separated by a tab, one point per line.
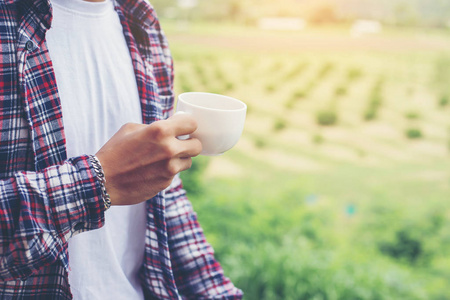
78	81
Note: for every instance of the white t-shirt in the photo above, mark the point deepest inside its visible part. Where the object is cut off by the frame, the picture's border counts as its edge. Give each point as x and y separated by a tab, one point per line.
99	94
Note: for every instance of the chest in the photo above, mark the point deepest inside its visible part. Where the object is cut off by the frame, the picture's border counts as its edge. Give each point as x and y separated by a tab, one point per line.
32	133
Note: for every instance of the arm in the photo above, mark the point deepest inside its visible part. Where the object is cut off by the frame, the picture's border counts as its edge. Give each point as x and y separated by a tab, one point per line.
197	274
39	212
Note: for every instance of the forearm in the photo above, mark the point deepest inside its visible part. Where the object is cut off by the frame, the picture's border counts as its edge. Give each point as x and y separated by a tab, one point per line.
39	212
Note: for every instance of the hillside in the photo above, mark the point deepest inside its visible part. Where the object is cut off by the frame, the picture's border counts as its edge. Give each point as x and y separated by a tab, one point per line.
338	188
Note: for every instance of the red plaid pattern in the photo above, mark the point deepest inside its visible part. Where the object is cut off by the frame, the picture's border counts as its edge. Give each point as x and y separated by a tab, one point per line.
46	198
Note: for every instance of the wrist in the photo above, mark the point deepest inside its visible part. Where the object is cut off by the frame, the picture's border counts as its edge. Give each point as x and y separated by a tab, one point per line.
102	180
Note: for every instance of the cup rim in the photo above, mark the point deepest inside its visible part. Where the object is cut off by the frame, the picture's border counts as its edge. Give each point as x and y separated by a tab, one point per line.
244	106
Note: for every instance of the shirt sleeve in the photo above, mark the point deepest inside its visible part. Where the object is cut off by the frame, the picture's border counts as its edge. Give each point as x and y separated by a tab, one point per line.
197	273
40	211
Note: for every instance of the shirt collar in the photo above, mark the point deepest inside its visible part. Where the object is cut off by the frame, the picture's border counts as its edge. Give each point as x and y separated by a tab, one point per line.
34	17
139	13
17	1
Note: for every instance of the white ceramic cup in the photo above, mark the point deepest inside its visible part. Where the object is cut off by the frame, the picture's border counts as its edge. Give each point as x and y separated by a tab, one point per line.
220	120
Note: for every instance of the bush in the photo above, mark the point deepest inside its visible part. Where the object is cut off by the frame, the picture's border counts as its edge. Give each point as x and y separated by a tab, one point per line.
340	91
444	100
354	74
370	114
412	115
295	270
413	133
405	247
270	87
276	246
296	71
228	86
290	103
279	125
375	101
325	70
327	117
296	96
260	143
318	139
300	94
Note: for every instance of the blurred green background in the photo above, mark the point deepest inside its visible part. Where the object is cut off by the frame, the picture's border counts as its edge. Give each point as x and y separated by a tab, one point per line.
339	187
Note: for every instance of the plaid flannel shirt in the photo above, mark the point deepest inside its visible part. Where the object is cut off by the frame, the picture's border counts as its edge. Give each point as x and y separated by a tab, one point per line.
45	198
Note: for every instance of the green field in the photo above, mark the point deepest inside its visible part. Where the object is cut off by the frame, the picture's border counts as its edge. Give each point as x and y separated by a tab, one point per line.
339	187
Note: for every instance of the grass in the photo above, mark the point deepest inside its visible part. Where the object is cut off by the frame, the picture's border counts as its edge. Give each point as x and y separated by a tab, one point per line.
335	202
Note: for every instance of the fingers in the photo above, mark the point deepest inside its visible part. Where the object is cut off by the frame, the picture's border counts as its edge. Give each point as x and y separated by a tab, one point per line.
177	165
164	134
185	163
158	141
182	124
167	169
188	148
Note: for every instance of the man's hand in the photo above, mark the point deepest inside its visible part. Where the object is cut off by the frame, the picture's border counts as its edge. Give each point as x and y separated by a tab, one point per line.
139	161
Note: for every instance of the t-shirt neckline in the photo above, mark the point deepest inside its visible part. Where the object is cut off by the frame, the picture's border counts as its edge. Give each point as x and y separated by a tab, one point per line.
85	8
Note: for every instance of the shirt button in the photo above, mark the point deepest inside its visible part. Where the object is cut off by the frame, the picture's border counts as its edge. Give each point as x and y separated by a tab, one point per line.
29	45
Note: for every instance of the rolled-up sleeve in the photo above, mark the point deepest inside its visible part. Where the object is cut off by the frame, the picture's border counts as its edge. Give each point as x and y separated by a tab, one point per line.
40	211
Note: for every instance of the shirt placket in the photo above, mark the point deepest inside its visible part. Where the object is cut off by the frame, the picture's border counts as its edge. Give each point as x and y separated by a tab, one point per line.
38	86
